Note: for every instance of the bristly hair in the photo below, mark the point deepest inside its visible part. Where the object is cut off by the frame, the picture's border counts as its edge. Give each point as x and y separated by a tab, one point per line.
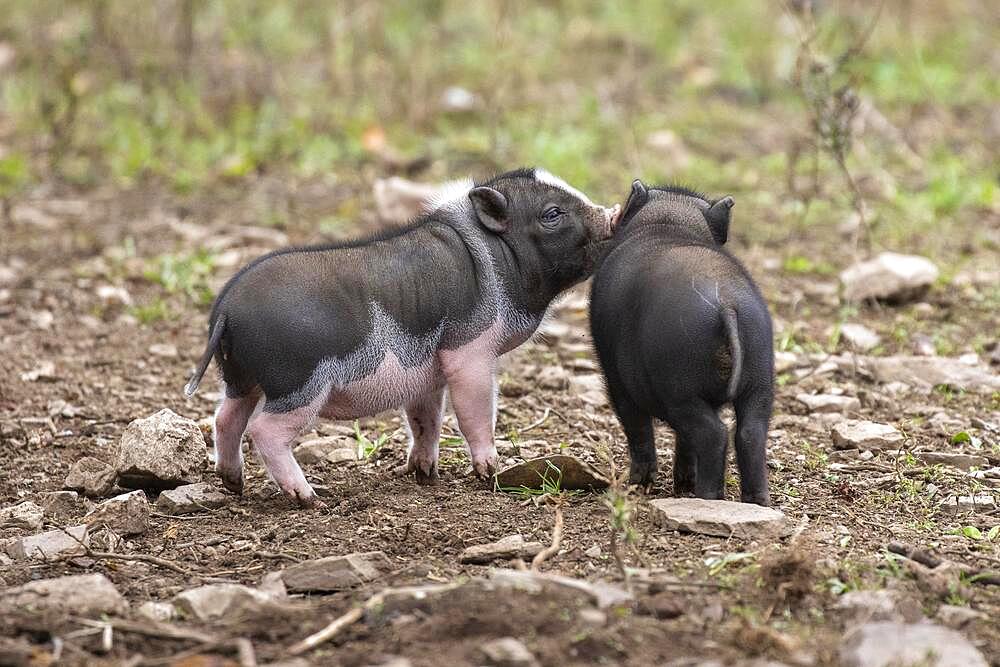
678	189
523	172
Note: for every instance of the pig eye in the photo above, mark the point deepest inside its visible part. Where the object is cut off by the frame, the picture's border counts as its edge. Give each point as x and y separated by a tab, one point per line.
552	214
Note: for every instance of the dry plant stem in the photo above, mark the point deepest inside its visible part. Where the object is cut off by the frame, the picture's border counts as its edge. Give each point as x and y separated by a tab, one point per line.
336	626
552	549
145	558
158	630
977	575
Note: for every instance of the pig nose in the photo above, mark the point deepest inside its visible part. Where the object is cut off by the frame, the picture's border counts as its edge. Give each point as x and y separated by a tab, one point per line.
612	214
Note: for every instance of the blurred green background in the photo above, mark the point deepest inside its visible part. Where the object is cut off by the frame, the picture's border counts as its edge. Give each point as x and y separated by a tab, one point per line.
186	96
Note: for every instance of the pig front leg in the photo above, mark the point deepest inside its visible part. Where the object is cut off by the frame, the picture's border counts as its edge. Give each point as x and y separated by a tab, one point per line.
472	387
424	419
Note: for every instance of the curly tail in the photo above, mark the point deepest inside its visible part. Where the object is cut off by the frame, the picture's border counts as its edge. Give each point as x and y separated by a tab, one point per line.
206	357
735	349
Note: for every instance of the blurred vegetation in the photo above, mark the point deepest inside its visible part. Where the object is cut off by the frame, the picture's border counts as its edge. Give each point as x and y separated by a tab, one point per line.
187	94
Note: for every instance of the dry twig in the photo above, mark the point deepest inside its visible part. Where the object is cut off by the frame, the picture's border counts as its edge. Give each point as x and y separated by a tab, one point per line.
552	549
336	626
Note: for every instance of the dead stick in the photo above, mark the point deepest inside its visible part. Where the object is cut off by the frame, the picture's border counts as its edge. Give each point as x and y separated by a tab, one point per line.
336	626
145	558
973	574
553	548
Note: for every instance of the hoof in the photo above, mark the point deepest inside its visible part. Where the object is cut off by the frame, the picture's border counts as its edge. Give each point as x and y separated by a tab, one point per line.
642	474
232	483
485	470
758	499
426	472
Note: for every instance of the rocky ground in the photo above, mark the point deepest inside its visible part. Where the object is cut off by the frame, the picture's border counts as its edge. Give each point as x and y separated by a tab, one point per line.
885	474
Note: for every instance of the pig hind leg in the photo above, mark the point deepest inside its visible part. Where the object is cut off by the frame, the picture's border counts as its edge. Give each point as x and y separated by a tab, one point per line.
273	434
701	438
638	427
230	422
753	411
424	419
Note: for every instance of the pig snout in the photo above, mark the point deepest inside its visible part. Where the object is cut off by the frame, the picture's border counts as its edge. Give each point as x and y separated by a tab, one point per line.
611	217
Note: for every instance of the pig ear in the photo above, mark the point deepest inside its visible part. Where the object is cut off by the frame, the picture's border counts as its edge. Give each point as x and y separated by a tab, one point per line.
491	208
718	219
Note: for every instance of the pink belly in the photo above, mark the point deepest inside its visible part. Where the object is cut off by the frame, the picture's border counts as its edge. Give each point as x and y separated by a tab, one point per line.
390	386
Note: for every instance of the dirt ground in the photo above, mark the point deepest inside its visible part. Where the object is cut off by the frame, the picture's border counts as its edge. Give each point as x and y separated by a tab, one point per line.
778	600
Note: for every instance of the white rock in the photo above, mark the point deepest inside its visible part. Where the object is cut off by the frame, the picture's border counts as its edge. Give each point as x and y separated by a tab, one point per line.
45	370
512	546
829	403
507	652
955	460
318	449
979	503
163	450
335	573
91	477
878	605
598	593
719	517
887	644
928	372
111	295
888	276
218	601
342	455
191	498
83	594
859	337
157	612
859	434
127	514
50	546
23	515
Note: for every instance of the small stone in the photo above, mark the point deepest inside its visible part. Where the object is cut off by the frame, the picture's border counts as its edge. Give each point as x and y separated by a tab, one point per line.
163	350
158	612
161	451
127	514
51	546
512	546
113	296
570	472
507	652
317	449
723	518
887	643
890	276
598	593
218	601
878	605
829	403
335	573
593	617
60	502
23	515
928	372
593	552
91	477
553	377
859	337
859	434
342	455
960	461
191	498
974	504
958	617
82	594
45	371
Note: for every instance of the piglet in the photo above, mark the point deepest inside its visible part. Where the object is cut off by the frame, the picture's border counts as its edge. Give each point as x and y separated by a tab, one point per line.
347	330
680	329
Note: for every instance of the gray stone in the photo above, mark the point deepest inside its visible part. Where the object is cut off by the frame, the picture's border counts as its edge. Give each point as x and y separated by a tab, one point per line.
975	504
859	337
598	593
161	451
91	477
83	594
890	644
318	449
829	403
569	471
51	546
512	546
158	612
191	498
217	601
335	573
23	515
878	605
928	372
127	514
723	518
507	652
958	617
956	460
859	434
342	455
60	502
889	276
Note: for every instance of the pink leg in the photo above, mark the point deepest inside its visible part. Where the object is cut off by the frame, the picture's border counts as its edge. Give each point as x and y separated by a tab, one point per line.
230	422
424	418
472	389
272	435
